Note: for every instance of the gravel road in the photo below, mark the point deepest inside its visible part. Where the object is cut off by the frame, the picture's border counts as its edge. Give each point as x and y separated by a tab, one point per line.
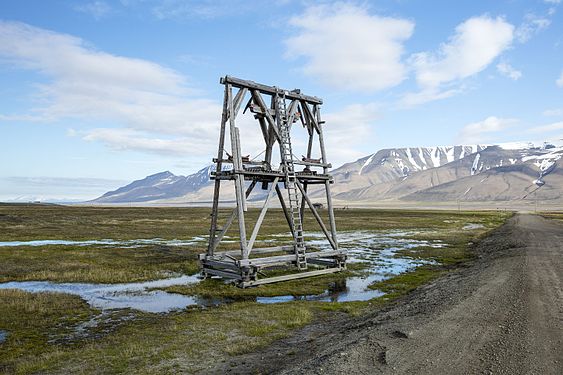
500	314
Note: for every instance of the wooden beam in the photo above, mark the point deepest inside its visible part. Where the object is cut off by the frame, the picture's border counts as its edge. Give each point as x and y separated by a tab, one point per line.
239	97
330	208
264	129
277	259
272	124
291	111
237	164
232	218
316	215
239	170
302	206
270	90
285	210
261	216
309	115
224	274
257	250
292	276
215	207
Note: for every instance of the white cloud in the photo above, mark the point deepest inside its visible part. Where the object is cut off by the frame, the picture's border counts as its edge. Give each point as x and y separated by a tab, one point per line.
97	9
477	42
90	85
133	140
347	48
475	45
427	95
479	132
507	70
547	128
347	130
559	81
553	112
531	26
552	1
205	9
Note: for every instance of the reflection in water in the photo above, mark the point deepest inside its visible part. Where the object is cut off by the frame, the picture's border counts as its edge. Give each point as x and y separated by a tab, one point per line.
378	250
118	296
106	242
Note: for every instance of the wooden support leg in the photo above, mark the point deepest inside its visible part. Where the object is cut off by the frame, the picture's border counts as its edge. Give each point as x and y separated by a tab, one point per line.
261	216
285	210
317	216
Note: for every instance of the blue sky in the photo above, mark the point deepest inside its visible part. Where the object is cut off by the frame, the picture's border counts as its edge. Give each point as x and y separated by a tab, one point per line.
94	94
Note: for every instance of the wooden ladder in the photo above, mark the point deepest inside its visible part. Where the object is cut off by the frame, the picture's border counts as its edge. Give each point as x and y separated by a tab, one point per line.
290	183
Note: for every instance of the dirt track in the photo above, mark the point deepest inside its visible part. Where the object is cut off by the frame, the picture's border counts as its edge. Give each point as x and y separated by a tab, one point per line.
502	314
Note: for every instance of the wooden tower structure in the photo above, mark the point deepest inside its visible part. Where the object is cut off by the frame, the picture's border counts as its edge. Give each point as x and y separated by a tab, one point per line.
285	109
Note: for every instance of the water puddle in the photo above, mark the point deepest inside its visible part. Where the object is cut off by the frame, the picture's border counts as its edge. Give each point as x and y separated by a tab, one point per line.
138	296
472	226
3	336
378	250
107	242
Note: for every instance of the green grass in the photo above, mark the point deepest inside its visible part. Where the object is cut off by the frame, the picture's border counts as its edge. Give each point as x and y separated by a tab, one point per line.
114	264
184	341
33	321
553	215
95	264
407	282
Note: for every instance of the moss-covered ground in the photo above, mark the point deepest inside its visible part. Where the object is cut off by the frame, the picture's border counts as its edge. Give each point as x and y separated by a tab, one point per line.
51	333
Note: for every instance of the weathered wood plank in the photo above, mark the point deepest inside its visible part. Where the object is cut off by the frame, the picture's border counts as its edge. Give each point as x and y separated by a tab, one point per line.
259	262
316	215
293	276
261	215
232	217
272	124
237	163
291	94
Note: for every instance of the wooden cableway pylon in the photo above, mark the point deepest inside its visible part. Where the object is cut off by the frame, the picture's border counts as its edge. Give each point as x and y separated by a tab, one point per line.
287	107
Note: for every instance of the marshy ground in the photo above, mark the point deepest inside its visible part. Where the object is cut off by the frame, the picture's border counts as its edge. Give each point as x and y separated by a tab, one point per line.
62	333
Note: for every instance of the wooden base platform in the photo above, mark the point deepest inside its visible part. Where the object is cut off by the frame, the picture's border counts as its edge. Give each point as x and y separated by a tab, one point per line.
245	272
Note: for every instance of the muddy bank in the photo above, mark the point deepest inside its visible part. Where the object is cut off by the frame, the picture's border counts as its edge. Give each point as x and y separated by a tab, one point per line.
501	313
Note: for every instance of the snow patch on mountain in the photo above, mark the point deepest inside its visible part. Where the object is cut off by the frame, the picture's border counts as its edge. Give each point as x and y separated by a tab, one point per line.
368	162
475	166
413	162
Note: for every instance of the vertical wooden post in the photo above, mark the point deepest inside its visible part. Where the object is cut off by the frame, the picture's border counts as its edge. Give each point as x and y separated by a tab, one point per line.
317	113
237	169
215	208
309	150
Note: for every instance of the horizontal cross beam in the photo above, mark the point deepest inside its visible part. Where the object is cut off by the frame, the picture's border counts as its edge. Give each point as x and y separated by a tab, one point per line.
270	90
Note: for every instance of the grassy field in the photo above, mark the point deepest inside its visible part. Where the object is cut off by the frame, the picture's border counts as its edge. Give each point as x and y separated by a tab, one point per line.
46	331
553	215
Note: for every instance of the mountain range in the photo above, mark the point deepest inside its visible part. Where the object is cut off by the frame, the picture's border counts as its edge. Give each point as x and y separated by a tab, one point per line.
476	173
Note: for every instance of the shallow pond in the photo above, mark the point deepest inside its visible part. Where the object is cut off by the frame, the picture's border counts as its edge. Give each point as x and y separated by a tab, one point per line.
106	242
377	249
3	336
137	296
